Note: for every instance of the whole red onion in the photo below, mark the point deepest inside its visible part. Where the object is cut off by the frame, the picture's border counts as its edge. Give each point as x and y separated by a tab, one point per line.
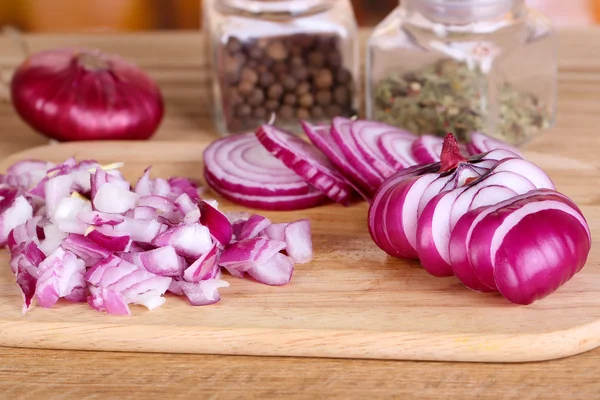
69	94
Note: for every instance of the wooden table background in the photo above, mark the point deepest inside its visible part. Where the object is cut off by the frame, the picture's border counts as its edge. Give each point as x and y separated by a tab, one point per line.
176	61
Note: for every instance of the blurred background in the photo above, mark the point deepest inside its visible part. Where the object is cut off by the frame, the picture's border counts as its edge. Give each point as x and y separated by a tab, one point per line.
136	15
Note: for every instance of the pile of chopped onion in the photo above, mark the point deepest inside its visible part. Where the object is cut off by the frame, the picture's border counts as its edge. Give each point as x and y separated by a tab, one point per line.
79	231
495	221
276	170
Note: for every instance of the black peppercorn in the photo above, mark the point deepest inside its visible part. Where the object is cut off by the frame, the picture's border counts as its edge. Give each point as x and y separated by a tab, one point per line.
286	112
290	99
288	82
275	91
324	97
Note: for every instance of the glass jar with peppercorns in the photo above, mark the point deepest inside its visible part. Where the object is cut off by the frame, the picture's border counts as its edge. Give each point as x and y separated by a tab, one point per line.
282	61
438	66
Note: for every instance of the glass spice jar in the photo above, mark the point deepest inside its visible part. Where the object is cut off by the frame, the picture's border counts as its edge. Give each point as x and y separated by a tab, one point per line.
439	66
282	61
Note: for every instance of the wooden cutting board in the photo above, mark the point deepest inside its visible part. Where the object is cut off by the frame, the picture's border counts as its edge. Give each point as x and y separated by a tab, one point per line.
352	301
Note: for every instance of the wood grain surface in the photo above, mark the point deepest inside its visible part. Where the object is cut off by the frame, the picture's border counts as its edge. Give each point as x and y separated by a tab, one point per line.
176	61
351	301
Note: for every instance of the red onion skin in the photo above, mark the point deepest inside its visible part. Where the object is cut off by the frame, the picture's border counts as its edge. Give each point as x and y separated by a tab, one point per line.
564	247
59	97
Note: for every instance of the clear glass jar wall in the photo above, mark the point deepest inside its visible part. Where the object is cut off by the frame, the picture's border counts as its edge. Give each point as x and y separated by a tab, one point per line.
439	66
282	60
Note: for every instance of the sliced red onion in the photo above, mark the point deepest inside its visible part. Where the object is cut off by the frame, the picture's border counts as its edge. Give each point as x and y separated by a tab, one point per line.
481	143
97	218
240	164
486	196
12	214
397	149
500	154
459	253
84	248
393	212
202	293
464	174
276	231
526	270
116	283
190	241
306	161
216	222
459	247
517	259
515	183
272	203
439	184
204	268
276	271
163	261
59	275
241	256
112	198
321	137
367	135
433	234
252	227
298	241
341	132
427	149
527	169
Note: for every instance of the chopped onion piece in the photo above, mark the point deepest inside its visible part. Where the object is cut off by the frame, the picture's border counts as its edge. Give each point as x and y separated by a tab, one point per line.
84	248
13	214
116	283
112	198
299	242
276	231
205	267
217	223
59	275
241	256
202	293
162	261
190	241
97	218
252	227
276	271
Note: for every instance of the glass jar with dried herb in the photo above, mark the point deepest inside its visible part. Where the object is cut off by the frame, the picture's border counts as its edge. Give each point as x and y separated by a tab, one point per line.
438	66
282	60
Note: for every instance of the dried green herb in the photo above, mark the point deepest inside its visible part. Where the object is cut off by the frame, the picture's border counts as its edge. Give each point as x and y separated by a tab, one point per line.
450	97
